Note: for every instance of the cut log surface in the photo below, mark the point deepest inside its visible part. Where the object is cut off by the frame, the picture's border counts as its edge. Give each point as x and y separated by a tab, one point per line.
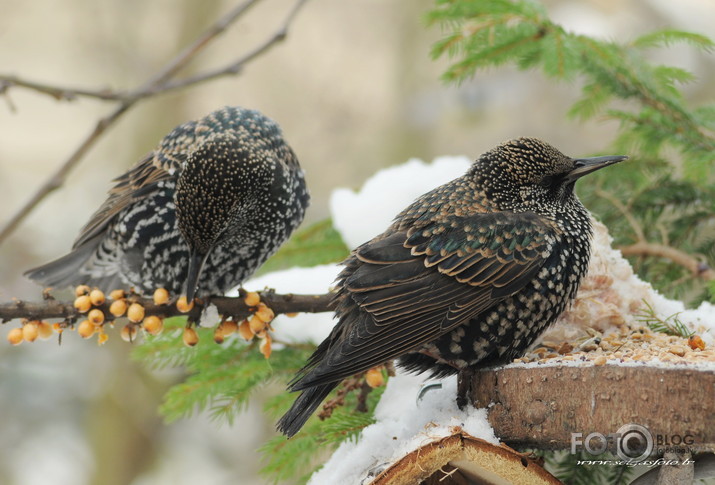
541	406
461	459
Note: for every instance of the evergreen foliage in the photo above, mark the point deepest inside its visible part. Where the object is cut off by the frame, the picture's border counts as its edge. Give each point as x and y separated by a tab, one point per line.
665	194
671	325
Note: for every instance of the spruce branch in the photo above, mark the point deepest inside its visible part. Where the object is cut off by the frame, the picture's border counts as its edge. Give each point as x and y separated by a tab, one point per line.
481	34
163	81
671	325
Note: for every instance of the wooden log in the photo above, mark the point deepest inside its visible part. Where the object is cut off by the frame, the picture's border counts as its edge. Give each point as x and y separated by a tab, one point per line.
461	459
542	406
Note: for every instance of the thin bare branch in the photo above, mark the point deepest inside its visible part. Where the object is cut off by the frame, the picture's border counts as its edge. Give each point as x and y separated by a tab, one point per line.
157	84
227	306
58	178
150	87
58	92
236	66
697	268
185	56
624	211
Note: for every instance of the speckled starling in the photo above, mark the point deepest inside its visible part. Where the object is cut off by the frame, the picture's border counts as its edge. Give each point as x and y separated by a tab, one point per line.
468	275
199	214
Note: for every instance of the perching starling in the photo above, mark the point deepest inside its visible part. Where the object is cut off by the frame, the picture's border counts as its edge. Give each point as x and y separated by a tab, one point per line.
468	275
199	214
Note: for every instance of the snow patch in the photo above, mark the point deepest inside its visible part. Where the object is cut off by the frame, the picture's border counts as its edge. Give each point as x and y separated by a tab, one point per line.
404	423
209	317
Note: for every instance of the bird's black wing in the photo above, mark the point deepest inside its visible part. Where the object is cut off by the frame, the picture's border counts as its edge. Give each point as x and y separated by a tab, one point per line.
141	180
408	288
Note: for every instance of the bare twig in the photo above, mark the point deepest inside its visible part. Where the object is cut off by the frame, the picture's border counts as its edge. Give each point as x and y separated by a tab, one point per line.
152	86
624	211
185	56
697	268
236	66
159	83
58	92
227	306
58	178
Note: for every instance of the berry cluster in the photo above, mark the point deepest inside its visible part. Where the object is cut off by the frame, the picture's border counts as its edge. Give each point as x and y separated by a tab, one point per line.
96	311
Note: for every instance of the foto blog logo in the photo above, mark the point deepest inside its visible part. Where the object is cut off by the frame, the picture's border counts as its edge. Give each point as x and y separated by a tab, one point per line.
632	442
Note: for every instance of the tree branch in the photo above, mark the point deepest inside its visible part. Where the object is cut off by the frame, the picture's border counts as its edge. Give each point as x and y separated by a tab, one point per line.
161	82
624	211
234	307
697	268
236	66
60	93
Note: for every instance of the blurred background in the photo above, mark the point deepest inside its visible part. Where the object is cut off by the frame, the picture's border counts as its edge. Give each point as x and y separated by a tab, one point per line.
353	87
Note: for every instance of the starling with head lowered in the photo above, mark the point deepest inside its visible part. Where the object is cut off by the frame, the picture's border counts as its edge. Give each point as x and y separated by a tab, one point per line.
198	215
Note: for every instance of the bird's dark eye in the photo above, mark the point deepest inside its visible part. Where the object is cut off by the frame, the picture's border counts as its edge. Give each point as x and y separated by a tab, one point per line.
547	181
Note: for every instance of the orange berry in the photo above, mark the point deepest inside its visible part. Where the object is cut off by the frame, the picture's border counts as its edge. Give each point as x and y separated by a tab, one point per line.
245	331
58	327
129	332
15	336
44	329
96	297
696	342
218	336
81	290
117	294
86	329
83	303
118	308
228	327
265	313
184	306
265	346
252	298
96	316
153	325
374	378
30	331
257	325
291	314
161	296
191	338
135	313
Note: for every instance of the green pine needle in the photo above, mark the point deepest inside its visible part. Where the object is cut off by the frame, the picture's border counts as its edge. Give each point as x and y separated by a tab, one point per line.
670	325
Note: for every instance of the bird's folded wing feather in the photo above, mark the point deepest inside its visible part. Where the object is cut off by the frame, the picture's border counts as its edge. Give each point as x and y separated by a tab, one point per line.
416	285
142	179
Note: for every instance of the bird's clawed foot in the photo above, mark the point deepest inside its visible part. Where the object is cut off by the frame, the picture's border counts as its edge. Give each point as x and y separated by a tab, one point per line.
464	387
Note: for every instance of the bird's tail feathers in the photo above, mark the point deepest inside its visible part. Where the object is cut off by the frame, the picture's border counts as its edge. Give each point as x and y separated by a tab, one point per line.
67	270
313	361
303	408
